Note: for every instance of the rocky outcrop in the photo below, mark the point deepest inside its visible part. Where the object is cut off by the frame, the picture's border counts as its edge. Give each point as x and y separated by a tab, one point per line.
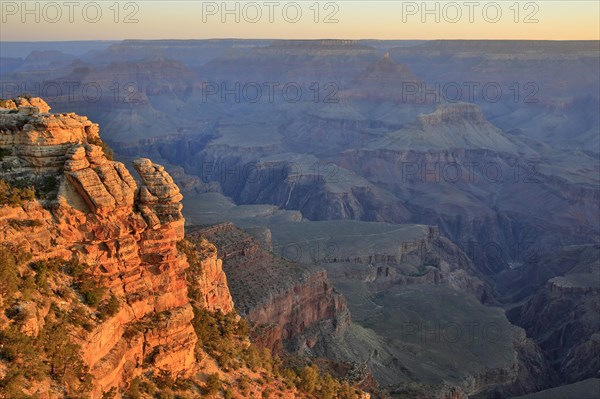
125	235
321	191
292	314
36	141
287	301
159	197
564	286
208	277
102	185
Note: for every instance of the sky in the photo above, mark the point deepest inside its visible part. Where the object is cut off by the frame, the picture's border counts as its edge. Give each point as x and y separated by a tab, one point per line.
344	19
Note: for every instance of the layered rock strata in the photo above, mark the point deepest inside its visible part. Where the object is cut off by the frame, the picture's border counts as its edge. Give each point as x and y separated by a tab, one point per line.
124	233
287	301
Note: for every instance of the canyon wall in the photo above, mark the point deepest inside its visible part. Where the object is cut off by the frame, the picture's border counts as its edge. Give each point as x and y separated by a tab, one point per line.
124	233
287	302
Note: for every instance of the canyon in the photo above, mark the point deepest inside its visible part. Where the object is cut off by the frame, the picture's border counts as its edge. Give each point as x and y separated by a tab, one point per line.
375	209
120	235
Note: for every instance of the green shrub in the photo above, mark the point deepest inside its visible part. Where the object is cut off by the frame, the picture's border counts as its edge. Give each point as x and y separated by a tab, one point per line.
91	291
228	394
48	188
12	194
109	308
328	387
43	269
165	393
244	385
92	297
9	273
134	391
213	385
74	269
309	376
266	394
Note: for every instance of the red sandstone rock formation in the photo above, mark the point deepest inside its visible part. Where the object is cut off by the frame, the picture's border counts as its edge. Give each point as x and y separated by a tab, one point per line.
285	299
125	234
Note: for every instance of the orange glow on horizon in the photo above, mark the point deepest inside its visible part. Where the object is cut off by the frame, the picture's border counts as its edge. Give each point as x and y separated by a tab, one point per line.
378	19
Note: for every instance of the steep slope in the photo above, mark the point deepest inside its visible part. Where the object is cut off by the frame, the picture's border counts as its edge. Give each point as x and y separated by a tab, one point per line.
451	126
100	295
126	237
488	181
287	300
415	295
395	279
557	304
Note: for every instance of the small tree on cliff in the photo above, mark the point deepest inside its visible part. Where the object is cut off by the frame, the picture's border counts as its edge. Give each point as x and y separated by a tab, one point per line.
328	387
213	385
309	376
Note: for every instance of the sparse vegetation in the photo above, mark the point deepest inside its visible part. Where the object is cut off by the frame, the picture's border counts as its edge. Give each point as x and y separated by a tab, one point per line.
109	307
134	391
53	356
165	393
221	336
9	273
228	393
266	394
309	377
225	337
25	223
48	188
32	359
13	195
213	385
45	353
23	356
244	385
347	391
90	289
195	271
18	191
